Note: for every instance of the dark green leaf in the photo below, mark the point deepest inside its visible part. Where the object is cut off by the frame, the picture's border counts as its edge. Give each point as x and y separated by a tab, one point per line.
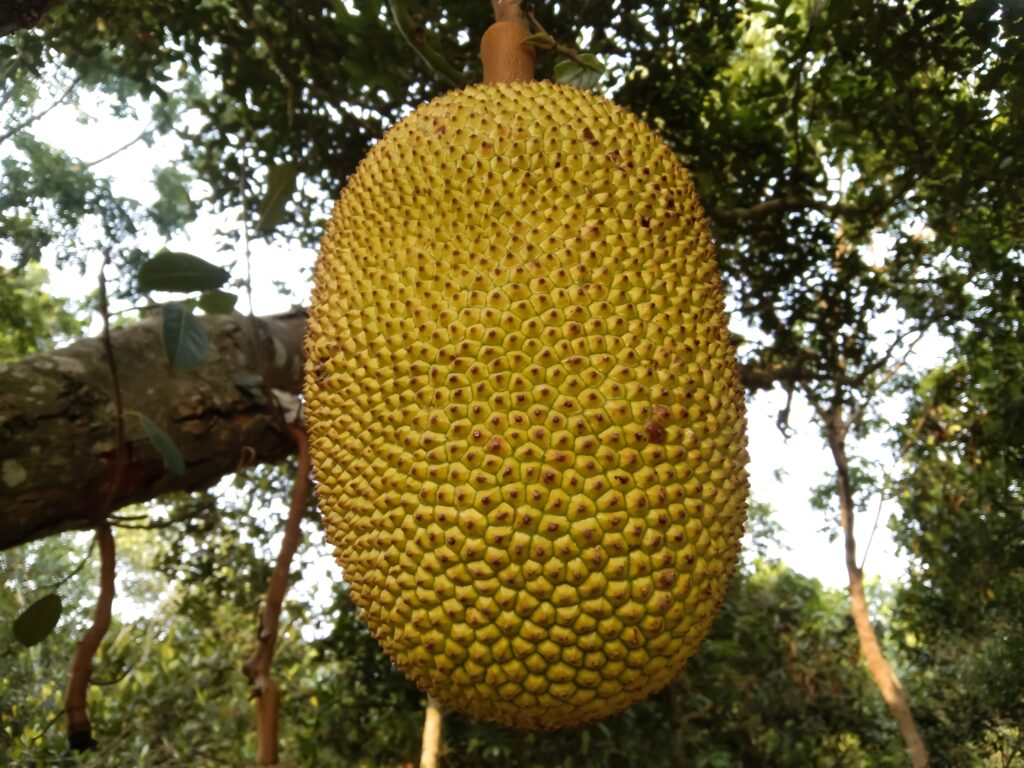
217	302
585	73
36	622
280	186
174	462
170	271
185	339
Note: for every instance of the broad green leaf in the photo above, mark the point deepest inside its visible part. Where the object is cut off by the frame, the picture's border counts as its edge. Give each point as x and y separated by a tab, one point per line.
36	622
583	74
185	339
183	272
217	302
280	186
174	462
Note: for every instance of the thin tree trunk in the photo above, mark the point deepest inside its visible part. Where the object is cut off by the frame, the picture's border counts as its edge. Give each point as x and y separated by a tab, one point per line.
431	734
884	676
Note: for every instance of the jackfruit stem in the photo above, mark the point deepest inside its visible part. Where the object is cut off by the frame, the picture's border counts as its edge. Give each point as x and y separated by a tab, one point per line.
505	58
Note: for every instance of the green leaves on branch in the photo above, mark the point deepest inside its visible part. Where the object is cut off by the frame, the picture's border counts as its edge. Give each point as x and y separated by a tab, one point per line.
185	340
180	272
174	462
582	70
36	622
281	180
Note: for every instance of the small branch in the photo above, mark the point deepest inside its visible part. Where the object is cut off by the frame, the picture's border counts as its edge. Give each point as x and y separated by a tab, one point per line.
115	382
414	36
874	528
257	668
40	115
74	571
79	729
146	132
543	41
776	205
756	377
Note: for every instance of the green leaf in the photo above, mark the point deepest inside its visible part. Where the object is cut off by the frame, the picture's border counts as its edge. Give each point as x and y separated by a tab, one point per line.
174	462
585	73
185	339
280	186
217	302
170	271
36	622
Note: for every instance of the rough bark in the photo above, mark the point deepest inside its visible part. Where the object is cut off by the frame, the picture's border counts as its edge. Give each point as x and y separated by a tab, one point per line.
884	676
24	14
58	421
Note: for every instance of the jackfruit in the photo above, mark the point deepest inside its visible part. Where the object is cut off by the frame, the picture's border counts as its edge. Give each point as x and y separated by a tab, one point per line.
524	413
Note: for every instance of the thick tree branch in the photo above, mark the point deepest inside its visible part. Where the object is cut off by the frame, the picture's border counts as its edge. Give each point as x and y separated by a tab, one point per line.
24	14
58	424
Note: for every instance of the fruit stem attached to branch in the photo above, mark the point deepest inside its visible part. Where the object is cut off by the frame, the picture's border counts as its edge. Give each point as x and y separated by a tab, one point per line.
505	58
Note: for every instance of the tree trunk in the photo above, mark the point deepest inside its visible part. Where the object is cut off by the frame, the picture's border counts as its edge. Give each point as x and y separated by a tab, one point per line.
884	676
58	422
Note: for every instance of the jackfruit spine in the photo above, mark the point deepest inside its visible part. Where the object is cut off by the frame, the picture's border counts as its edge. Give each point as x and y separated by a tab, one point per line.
525	418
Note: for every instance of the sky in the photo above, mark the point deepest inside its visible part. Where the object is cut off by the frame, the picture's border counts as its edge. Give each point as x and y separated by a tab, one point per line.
783	470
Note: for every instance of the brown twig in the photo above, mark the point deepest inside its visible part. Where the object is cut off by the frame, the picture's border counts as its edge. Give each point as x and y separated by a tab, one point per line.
257	668
79	728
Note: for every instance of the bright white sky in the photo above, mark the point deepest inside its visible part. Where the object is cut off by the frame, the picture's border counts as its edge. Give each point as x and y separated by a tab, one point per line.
803	460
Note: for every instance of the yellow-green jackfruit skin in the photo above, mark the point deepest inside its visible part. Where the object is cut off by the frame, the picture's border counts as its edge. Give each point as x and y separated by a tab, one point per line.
524	412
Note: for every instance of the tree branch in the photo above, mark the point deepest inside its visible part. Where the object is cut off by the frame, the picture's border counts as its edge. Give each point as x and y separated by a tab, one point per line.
79	729
413	35
58	437
257	668
24	14
17	127
777	205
